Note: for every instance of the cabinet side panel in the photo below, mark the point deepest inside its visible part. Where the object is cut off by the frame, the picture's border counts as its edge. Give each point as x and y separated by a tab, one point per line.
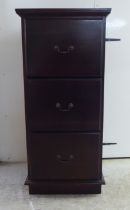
23	25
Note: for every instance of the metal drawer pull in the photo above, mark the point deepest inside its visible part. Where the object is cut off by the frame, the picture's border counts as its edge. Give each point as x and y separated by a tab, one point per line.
69	107
65	159
58	50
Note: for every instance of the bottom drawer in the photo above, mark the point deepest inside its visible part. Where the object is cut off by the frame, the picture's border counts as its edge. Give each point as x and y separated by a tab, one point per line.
65	156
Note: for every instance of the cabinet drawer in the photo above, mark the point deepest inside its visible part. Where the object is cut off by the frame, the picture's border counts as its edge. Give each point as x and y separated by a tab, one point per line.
65	47
64	104
65	156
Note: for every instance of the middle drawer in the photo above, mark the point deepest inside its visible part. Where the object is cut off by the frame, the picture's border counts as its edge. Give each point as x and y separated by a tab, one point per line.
64	104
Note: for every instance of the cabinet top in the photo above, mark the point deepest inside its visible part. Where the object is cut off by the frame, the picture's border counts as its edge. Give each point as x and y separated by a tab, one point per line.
63	12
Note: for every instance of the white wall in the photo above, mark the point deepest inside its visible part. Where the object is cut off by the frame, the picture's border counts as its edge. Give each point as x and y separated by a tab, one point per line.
12	122
117	79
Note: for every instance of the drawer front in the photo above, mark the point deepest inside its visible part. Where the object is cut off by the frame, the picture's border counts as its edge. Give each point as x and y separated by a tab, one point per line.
64	104
64	47
65	156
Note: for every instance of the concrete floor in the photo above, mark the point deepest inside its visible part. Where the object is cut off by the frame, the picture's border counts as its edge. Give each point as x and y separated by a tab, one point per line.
115	194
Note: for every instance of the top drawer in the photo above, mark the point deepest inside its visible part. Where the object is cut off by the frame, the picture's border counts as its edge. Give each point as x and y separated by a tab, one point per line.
64	47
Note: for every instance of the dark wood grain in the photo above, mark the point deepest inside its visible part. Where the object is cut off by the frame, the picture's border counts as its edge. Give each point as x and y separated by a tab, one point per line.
63	63
60	12
45	95
65	187
65	156
85	36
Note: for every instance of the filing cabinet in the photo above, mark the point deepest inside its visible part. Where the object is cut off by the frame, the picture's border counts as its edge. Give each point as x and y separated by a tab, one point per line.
63	60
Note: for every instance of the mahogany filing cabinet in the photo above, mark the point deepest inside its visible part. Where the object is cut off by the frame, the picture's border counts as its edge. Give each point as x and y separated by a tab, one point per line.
63	60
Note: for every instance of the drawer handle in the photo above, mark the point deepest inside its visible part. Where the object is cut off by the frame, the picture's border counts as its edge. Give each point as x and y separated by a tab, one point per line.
65	159
69	107
63	52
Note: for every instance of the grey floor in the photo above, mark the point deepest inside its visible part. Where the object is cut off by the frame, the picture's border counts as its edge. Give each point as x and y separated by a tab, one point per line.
115	194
